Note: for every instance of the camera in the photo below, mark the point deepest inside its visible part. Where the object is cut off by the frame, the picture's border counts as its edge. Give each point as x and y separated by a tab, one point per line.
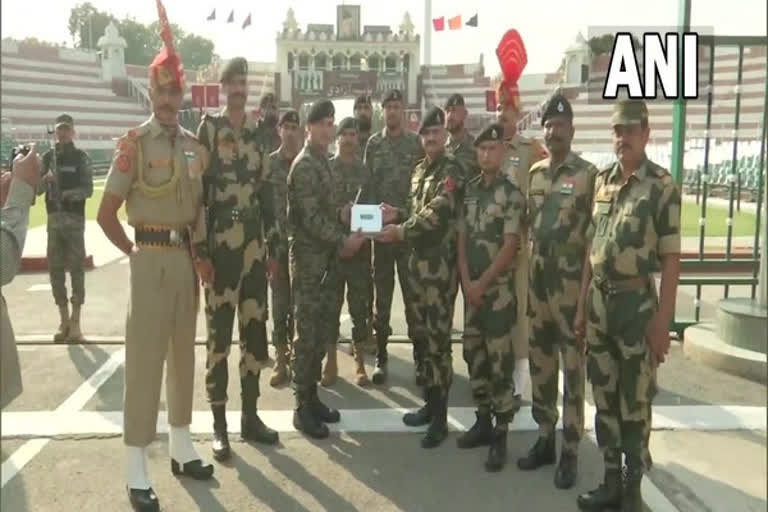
19	150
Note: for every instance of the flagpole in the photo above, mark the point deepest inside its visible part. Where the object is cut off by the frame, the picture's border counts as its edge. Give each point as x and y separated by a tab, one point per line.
427	32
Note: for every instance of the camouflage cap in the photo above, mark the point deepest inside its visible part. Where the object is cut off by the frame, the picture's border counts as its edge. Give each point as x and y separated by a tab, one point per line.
320	110
557	106
64	119
236	66
434	117
629	112
392	95
493	132
289	116
348	123
454	100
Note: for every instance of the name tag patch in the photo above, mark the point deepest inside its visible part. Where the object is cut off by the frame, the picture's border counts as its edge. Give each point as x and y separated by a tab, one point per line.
566	188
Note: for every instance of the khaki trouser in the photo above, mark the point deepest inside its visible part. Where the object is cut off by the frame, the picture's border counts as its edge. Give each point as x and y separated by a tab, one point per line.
160	328
520	331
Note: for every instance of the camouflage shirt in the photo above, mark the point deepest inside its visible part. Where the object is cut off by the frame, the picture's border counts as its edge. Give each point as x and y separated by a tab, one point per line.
490	211
279	166
313	215
435	193
463	148
634	223
238	178
390	161
363	142
348	178
560	203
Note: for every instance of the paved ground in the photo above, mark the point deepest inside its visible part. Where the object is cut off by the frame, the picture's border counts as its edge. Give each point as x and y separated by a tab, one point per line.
61	447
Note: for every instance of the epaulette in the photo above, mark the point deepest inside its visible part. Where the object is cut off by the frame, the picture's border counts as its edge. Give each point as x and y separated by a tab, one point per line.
656	169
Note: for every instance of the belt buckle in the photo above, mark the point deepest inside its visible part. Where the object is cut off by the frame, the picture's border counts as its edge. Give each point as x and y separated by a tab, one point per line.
174	237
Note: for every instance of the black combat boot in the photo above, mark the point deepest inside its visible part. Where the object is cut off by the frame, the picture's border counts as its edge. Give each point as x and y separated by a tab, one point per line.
304	420
251	426
631	497
418	361
380	372
497	453
422	416
438	427
565	474
606	496
540	454
220	445
321	411
480	434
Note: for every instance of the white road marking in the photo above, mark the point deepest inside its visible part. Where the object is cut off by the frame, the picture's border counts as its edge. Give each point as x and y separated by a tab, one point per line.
44	287
74	403
69	422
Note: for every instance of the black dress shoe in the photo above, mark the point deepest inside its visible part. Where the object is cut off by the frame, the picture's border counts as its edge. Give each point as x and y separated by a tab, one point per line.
541	454
253	429
305	421
481	433
193	469
220	445
143	500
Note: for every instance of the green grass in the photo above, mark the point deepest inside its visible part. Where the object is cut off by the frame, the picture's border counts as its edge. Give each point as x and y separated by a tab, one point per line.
37	215
743	222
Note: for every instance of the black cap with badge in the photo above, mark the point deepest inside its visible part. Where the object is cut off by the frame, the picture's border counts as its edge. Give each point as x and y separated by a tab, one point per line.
434	117
320	110
557	106
493	132
391	95
454	100
289	116
65	119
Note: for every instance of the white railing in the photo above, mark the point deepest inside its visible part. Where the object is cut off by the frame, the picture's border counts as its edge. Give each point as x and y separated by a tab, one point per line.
140	92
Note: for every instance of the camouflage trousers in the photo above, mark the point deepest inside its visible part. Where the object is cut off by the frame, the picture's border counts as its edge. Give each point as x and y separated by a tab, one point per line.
314	304
282	306
623	378
552	297
355	276
434	283
385	258
66	250
488	352
240	282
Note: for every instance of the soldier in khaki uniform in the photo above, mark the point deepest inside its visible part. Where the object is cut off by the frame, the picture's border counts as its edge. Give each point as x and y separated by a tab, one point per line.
635	232
491	219
559	210
522	153
156	171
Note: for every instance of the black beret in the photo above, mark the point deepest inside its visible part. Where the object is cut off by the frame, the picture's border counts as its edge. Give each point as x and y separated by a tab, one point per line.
558	105
236	66
320	110
289	116
361	100
65	119
434	117
268	99
392	95
454	100
348	123
492	132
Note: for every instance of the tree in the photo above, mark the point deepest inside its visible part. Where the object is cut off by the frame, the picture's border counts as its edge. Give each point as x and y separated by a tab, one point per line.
197	51
140	41
87	24
603	45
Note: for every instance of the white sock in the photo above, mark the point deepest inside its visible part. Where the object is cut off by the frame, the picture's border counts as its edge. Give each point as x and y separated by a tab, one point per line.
181	447
136	468
521	376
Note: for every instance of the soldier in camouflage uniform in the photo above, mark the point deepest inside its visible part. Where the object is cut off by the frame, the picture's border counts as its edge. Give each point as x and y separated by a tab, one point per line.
67	185
350	179
635	232
428	227
282	304
559	209
491	219
240	218
317	240
522	153
391	155
268	124
460	142
363	112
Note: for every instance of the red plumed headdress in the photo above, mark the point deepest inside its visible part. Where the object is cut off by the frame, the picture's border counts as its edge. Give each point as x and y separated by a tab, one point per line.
166	68
512	59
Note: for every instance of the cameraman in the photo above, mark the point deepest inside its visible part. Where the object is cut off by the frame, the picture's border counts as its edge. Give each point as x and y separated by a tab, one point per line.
67	184
13	230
